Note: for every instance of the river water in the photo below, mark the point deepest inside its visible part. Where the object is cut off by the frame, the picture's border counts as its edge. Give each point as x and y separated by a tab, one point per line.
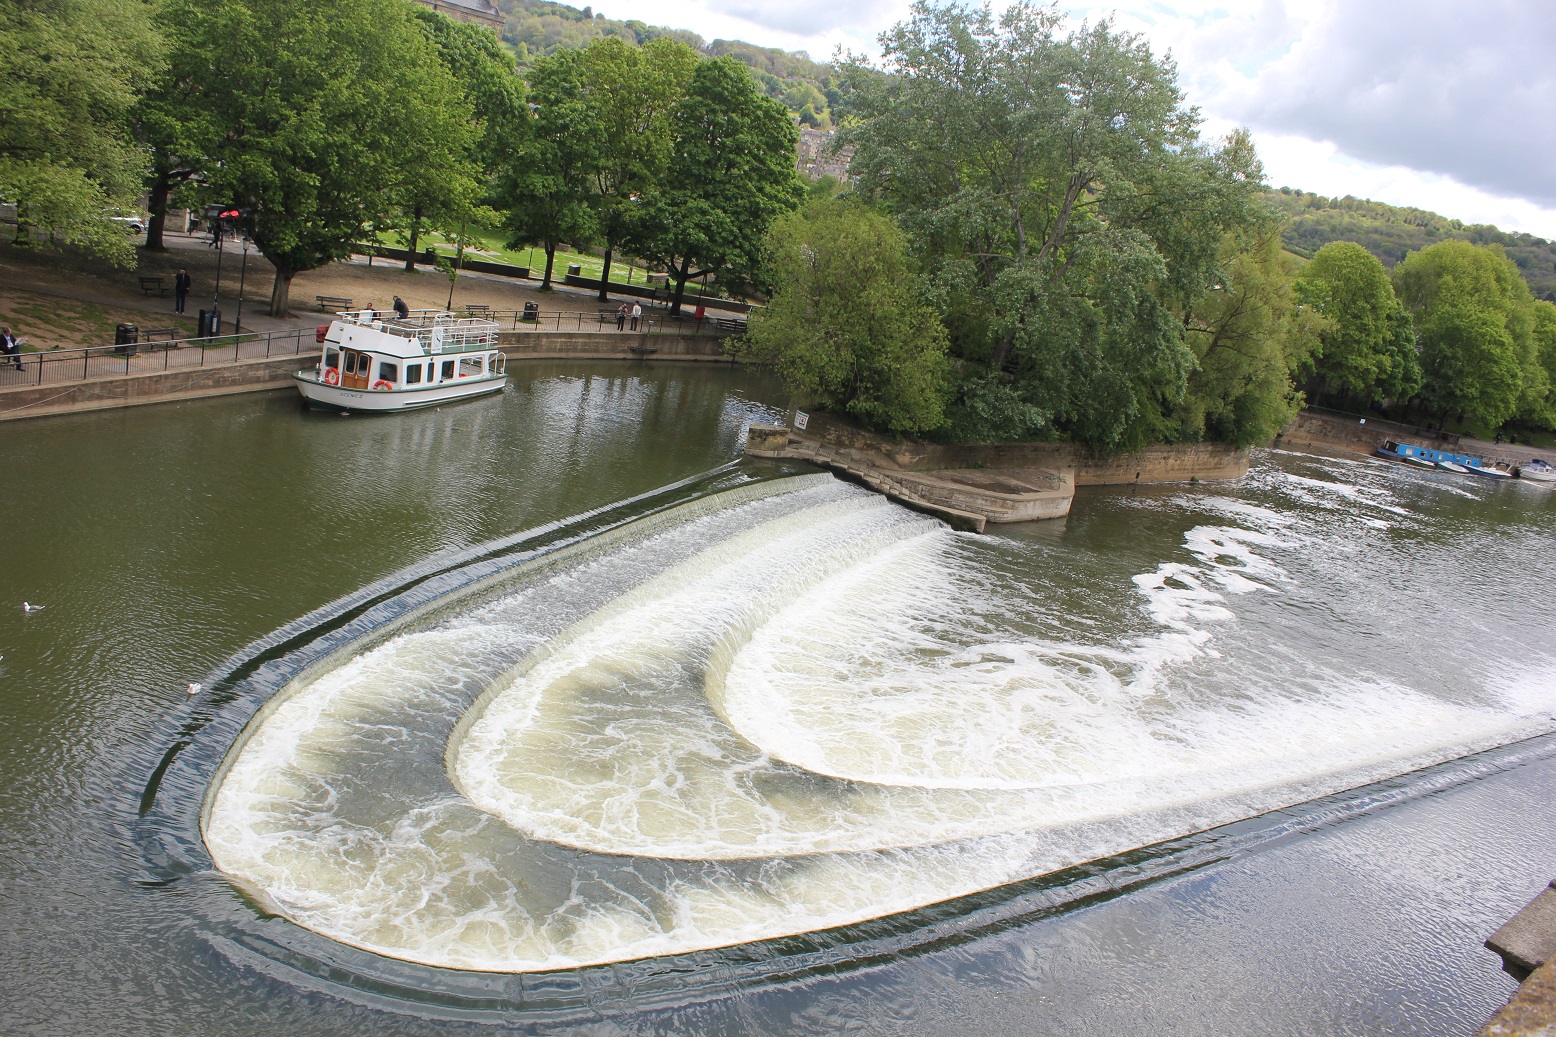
551	711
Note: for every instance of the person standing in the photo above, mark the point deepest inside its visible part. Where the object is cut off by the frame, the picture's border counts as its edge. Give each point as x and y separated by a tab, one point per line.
10	347
181	286
637	311
621	317
401	310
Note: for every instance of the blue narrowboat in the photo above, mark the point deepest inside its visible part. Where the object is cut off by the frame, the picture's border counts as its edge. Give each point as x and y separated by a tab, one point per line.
1426	457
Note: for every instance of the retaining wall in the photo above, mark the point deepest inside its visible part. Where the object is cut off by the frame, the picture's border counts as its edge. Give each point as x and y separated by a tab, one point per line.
157	387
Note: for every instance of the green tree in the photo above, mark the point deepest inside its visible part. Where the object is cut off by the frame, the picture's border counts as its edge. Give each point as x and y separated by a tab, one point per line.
731	174
547	189
847	326
67	158
1068	212
328	117
1543	388
1369	349
489	80
1474	318
634	92
1249	335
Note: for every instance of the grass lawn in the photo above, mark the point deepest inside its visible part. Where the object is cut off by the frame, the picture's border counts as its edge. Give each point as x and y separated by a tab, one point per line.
47	322
488	245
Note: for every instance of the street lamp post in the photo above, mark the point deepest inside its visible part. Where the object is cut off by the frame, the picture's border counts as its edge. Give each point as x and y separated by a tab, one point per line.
237	324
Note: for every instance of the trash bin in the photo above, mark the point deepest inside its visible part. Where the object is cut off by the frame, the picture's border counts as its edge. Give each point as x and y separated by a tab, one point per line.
125	337
531	312
574	270
203	324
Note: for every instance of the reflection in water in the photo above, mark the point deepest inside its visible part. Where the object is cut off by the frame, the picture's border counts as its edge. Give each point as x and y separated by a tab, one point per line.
792	706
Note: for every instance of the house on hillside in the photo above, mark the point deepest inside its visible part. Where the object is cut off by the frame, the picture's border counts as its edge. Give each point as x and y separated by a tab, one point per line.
481	11
815	161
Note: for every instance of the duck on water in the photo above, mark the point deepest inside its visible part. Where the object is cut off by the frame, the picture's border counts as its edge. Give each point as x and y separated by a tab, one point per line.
377	362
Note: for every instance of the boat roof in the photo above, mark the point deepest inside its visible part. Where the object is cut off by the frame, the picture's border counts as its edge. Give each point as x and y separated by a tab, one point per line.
420	333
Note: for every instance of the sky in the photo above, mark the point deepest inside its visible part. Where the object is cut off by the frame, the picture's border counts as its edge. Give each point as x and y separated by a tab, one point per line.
1448	105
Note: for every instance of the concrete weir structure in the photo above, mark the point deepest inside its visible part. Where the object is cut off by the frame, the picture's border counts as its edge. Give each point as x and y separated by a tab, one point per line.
971	485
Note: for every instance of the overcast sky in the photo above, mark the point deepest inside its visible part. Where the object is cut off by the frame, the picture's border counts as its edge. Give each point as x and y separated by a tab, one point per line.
1449	105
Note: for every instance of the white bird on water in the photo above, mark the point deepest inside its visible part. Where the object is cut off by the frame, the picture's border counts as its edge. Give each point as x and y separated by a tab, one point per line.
28	607
194	689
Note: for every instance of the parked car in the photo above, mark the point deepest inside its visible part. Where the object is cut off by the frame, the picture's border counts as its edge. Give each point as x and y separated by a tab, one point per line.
133	224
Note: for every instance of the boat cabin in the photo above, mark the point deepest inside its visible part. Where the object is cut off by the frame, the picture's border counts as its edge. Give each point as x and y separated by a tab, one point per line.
368	350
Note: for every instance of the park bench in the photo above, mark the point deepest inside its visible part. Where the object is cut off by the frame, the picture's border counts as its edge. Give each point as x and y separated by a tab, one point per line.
474	308
730	323
160	334
608	316
152	284
333	302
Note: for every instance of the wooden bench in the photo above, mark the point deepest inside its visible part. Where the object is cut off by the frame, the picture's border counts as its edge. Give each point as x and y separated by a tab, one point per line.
152	284
473	308
160	334
333	302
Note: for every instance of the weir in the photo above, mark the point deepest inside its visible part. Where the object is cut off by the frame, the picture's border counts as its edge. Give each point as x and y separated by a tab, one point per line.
775	710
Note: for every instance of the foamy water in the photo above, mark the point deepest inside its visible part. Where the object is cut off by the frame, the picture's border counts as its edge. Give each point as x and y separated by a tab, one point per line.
795	706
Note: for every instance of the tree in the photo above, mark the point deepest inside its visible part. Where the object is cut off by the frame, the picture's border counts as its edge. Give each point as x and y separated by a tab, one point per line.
1474	318
847	326
1540	387
327	117
1369	349
1249	336
546	190
731	174
634	91
1064	204
67	159
487	77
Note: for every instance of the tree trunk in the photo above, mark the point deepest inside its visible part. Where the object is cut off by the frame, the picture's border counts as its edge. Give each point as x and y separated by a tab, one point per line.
605	278
410	260
281	292
161	189
545	283
680	286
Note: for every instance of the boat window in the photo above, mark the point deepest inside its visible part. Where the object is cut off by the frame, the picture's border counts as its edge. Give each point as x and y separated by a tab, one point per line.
350	364
448	369
469	366
413	374
332	358
389	372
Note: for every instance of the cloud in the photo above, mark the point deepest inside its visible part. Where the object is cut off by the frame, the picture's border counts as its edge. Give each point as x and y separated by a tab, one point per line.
1431	85
814	17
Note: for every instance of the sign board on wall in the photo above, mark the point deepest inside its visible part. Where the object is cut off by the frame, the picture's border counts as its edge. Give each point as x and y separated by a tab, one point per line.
801	419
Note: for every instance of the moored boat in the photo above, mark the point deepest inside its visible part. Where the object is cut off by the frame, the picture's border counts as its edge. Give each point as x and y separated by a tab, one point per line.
1442	460
1537	470
378	362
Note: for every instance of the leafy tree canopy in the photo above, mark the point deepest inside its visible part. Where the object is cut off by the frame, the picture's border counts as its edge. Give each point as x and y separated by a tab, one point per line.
731	174
1057	188
326	117
847	325
1475	321
72	70
1369	349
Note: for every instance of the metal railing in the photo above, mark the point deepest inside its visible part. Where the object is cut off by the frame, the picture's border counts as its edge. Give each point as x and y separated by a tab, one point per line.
58	366
55	366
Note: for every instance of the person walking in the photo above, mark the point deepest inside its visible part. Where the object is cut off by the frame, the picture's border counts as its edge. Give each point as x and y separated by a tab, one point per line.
181	285
10	347
637	311
621	317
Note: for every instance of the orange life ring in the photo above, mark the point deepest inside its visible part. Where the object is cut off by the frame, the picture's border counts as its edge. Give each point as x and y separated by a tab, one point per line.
381	384
332	376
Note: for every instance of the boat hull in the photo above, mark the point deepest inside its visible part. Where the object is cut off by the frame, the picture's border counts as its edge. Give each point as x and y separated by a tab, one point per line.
388	401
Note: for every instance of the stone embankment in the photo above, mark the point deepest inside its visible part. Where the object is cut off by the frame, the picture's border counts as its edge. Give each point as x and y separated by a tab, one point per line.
66	395
1336	432
1527	944
970	486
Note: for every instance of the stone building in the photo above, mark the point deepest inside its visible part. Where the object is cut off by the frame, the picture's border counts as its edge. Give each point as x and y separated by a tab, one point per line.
816	161
483	12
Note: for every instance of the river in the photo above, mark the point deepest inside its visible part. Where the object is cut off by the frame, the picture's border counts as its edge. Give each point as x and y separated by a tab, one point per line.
551	711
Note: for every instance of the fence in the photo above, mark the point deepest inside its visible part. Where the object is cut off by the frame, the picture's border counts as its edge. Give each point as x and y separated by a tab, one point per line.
73	365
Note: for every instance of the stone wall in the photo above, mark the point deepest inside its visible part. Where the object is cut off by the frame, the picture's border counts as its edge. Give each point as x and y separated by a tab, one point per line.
1156	464
158	387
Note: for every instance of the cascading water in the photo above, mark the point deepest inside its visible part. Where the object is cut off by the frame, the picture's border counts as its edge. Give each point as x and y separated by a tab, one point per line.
792	705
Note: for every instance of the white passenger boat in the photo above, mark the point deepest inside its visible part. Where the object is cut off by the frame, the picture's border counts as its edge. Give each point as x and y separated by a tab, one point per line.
372	361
